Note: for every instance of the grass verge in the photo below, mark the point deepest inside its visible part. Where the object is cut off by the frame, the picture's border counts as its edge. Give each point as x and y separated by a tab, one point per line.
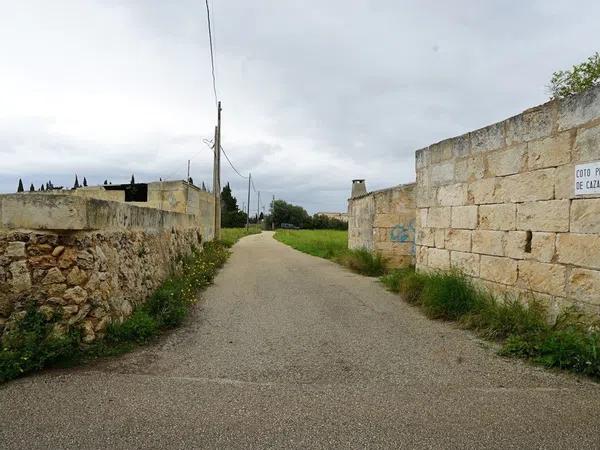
333	245
33	342
230	236
572	342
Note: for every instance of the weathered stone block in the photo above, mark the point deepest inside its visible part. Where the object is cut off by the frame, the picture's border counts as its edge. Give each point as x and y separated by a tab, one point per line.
532	124
507	162
542	277
564	182
584	285
468	263
550	215
53	275
488	138
452	195
440	238
585	216
579	109
578	249
438	258
77	277
439	217
527	187
15	250
587	145
458	240
421	158
421	218
516	242
425	236
549	152
499	270
440	151
543	246
469	169
464	217
488	242
21	279
487	190
442	173
76	295
497	217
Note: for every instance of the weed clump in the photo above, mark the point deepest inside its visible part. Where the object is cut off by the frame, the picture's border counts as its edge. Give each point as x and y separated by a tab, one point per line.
364	262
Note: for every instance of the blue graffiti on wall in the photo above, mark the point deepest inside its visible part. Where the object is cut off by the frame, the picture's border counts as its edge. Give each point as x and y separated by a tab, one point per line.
404	233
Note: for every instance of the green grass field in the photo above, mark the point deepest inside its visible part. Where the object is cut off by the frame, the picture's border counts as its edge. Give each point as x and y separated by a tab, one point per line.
333	245
328	244
230	236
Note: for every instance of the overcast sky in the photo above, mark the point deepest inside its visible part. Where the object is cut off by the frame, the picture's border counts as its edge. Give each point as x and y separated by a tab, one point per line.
314	93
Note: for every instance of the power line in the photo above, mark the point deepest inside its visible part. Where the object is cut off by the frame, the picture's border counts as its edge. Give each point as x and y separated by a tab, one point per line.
212	56
231	164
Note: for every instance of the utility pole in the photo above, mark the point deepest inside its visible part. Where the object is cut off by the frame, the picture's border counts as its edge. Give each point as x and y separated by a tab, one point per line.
188	177
258	208
248	211
272	210
217	174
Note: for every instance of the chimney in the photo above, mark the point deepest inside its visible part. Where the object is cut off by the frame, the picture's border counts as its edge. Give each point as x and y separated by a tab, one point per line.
358	188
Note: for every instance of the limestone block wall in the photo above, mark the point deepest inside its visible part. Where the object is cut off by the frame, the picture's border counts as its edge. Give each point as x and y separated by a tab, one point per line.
384	222
87	261
499	203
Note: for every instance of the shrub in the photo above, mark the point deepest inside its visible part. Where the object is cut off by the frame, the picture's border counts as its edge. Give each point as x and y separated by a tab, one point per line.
31	344
512	317
449	295
363	261
580	78
407	282
139	327
168	306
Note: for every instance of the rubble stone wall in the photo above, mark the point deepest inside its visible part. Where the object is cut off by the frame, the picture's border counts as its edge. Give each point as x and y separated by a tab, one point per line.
87	261
499	203
384	222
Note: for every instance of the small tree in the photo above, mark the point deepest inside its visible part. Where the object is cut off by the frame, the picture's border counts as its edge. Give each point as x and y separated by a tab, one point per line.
76	185
132	179
105	182
20	187
31	188
84	182
203	187
580	78
42	188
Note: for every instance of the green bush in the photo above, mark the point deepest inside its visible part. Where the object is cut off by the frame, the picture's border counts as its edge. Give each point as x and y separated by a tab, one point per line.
32	344
449	296
139	327
407	283
498	320
364	262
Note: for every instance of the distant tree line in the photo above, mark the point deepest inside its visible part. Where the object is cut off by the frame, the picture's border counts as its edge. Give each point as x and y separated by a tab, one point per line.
283	212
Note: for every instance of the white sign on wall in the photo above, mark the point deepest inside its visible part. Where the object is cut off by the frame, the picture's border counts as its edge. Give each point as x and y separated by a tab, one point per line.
587	178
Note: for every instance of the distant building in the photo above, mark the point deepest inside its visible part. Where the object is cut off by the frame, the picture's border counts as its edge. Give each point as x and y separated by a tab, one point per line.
335	215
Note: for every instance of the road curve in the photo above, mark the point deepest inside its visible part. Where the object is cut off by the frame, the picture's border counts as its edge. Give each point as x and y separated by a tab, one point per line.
289	350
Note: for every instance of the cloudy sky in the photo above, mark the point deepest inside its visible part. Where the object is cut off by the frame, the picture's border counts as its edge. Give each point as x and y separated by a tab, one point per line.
314	93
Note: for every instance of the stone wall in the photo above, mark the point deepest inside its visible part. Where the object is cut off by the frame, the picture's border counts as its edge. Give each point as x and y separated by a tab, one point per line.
499	203
384	222
86	260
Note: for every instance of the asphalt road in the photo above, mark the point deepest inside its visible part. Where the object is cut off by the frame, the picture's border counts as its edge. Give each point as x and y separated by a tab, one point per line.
289	350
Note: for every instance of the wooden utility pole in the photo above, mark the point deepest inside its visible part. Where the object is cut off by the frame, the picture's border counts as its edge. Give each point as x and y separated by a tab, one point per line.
258	208
248	211
217	174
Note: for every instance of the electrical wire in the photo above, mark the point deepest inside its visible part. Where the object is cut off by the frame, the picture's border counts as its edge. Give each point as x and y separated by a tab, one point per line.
231	164
212	56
